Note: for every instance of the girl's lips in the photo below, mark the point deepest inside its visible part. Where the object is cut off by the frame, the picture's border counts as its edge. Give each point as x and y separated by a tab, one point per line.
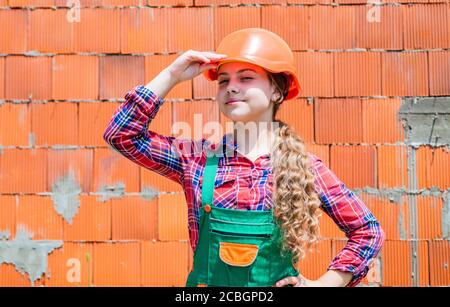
232	102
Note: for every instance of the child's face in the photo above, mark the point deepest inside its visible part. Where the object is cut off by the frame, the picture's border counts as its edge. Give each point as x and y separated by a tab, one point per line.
251	87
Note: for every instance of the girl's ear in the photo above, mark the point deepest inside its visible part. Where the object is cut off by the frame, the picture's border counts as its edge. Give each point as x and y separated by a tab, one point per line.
276	96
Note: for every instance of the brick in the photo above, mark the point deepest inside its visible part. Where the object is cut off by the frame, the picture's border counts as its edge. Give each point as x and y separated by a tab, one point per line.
164	264
8	212
338	245
439	256
392	214
425	26
76	164
432	165
2	77
118	74
117	264
55	123
10	277
350	1
329	229
422	173
429	217
357	74
186	21
395	66
122	2
98	31
170	2
317	261
338	121
112	171
172	217
380	121
50	31
396	263
315	73
75	77
28	77
15	124
93	119
196	114
134	218
13	41
424	263
235	2
91	223
410	1
379	27
83	3
37	215
329	35
70	266
321	151
354	165
30	3
203	88
439	72
225	21
23	170
280	20
155	64
299	115
392	167
144	30
309	1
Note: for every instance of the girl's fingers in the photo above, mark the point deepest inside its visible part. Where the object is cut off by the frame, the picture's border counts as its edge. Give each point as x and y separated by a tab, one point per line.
214	55
198	57
287	281
209	55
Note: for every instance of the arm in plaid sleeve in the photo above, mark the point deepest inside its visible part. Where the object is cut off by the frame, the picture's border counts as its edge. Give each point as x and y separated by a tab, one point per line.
128	133
365	236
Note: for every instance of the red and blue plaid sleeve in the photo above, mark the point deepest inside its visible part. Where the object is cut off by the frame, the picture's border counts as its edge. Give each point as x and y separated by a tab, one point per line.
365	236
128	133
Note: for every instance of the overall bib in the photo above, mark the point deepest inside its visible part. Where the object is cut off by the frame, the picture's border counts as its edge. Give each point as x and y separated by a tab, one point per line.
236	248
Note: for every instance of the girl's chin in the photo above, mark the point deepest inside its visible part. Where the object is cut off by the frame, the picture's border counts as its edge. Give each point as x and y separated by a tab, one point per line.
238	117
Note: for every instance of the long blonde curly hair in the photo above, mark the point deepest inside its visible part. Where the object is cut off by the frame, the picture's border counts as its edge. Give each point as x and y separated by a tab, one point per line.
296	203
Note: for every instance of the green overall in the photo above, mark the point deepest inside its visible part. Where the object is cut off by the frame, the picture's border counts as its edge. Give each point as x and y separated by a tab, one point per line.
236	248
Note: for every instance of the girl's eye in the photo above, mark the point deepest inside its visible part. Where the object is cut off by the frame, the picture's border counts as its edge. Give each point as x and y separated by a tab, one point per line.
241	78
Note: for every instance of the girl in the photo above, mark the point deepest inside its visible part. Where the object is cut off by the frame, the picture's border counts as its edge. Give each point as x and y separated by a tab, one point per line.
252	204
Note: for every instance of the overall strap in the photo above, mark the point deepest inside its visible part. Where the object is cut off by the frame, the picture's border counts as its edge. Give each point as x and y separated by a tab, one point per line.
209	176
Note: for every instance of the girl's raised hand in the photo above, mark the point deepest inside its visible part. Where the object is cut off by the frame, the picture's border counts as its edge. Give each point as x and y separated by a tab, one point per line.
192	63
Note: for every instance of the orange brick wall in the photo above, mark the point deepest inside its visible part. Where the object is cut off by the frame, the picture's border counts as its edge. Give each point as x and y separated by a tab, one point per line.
61	81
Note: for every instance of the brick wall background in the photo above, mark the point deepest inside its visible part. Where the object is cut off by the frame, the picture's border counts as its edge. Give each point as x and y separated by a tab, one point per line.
365	110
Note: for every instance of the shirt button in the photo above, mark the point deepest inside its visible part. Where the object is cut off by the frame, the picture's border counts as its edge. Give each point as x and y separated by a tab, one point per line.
207	208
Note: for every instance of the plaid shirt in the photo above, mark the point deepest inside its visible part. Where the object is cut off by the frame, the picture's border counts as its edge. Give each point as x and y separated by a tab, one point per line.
240	183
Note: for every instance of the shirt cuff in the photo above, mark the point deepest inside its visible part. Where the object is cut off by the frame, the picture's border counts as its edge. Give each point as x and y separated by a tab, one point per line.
145	98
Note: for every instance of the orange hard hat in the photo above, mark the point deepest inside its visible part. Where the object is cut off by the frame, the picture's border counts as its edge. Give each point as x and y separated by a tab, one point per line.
259	47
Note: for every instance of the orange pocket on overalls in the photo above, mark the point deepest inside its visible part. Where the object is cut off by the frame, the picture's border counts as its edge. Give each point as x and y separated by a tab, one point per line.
237	254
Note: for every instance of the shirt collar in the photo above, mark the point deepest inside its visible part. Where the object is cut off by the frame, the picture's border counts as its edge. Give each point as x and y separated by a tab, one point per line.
227	146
